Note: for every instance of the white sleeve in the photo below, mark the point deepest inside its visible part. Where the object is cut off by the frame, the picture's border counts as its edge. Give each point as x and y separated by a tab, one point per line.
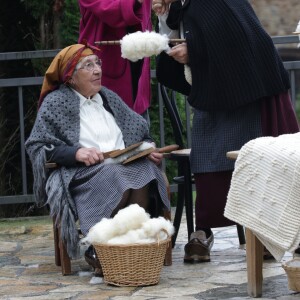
164	29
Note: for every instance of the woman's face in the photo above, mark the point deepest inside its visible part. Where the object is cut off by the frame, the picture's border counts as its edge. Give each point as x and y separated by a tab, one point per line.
86	78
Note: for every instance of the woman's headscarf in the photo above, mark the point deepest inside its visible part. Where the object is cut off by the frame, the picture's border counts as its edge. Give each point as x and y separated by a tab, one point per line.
63	66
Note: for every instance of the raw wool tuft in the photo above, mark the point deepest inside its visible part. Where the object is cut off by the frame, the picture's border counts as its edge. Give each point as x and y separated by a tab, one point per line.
96	280
131	225
129	218
123	157
297	30
137	45
151	231
188	74
156	226
136	236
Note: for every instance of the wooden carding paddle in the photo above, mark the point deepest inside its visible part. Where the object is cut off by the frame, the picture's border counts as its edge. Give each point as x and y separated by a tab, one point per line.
146	152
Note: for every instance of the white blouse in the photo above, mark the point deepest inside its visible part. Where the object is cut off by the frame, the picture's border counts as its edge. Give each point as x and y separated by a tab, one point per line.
98	127
164	29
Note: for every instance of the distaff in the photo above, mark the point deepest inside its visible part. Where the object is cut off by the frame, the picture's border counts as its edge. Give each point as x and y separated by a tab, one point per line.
118	42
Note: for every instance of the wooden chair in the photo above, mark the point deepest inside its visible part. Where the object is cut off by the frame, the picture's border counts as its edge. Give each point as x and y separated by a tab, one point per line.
184	178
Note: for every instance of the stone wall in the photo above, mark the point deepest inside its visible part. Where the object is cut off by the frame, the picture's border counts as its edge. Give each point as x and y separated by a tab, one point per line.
281	17
278	17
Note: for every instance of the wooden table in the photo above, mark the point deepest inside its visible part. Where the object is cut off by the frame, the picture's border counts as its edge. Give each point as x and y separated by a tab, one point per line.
254	255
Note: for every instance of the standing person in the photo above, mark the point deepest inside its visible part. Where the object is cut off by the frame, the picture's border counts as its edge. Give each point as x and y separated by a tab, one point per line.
103	20
77	121
239	92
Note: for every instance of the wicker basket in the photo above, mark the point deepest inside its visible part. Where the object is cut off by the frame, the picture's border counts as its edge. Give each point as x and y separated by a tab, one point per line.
132	265
292	269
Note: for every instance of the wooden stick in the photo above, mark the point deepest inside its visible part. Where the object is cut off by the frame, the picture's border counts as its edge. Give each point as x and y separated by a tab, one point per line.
146	152
105	43
116	153
176	40
109	43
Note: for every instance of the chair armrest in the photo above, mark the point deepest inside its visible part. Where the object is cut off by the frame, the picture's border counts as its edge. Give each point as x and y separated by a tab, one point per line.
51	165
232	154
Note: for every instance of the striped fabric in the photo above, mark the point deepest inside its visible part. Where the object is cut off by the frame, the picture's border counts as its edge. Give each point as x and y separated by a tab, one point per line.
217	132
97	190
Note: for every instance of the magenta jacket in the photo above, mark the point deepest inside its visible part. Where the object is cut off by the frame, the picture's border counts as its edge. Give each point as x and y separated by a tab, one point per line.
109	20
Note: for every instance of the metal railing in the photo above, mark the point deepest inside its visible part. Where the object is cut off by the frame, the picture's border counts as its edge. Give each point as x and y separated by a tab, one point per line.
20	83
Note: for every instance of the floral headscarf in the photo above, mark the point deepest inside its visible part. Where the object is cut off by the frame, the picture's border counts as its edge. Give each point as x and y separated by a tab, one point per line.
63	66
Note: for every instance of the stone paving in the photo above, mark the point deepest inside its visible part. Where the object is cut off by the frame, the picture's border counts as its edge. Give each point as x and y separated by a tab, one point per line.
27	270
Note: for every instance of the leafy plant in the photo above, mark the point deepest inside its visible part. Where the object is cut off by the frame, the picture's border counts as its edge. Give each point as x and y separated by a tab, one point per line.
70	23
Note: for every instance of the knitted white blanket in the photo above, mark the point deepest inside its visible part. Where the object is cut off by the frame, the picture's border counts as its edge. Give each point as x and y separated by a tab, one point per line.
264	195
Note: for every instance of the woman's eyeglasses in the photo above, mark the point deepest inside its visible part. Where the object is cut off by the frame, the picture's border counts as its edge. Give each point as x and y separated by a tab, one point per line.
91	66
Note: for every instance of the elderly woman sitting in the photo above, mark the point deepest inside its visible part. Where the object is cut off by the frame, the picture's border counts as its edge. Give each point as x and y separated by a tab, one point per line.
77	121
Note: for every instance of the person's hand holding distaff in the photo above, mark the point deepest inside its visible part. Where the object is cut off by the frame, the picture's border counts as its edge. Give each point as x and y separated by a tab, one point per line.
179	53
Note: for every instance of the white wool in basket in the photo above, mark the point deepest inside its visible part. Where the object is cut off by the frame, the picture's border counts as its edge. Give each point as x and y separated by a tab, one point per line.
153	227
101	231
129	218
136	236
151	231
137	45
131	225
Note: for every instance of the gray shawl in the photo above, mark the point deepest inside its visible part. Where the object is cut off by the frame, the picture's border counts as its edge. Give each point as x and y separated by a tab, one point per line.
58	123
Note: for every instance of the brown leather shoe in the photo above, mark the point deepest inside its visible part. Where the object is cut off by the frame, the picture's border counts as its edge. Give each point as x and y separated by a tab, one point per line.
198	248
91	258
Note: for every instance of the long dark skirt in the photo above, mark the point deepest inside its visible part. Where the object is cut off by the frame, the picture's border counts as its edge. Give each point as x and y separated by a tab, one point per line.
277	117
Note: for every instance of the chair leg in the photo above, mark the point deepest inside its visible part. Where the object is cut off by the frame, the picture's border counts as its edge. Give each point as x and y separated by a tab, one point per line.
178	212
64	257
56	244
167	215
168	257
182	195
188	198
61	255
241	234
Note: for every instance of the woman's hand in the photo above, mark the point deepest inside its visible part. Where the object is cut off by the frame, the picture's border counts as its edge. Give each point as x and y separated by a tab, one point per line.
180	53
161	6
156	157
89	156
